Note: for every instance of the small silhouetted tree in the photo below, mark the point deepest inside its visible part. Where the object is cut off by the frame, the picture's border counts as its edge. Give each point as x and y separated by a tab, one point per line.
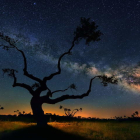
124	117
87	30
132	115
18	112
69	112
137	113
1	107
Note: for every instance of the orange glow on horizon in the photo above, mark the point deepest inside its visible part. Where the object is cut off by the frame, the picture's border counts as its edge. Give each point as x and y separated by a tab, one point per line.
86	112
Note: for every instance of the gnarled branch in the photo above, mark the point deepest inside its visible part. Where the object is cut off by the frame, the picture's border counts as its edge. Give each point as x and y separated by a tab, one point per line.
21	84
86	30
65	97
72	86
60	90
58	65
104	79
12	45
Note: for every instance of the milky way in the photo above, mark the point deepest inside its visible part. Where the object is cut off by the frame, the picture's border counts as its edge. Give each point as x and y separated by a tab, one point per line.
44	30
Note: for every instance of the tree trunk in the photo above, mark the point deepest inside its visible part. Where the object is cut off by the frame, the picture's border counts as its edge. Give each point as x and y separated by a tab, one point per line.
38	113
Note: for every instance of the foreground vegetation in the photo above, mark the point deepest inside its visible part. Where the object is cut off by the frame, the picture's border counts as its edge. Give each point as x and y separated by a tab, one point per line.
102	130
7	127
72	130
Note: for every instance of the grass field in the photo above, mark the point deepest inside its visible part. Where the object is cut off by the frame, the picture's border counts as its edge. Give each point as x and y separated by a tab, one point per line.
72	130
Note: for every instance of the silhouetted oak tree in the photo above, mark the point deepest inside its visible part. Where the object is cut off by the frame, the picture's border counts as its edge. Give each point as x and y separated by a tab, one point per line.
86	30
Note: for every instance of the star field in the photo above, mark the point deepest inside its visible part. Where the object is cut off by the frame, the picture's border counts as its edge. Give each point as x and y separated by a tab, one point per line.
44	30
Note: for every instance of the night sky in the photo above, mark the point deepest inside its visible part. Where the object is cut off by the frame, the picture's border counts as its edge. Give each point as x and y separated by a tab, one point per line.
44	30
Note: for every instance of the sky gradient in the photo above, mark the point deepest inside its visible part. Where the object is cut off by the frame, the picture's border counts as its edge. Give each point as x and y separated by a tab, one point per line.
44	30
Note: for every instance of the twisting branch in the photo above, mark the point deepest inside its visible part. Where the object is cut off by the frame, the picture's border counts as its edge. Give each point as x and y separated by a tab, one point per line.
60	90
50	93
72	86
21	84
11	73
12	45
65	97
104	79
58	65
86	30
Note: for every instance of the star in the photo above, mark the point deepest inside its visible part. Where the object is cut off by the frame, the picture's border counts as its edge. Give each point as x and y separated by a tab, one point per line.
46	30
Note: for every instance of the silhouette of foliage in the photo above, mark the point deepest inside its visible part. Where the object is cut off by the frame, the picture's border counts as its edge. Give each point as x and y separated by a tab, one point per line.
10	72
105	80
73	86
87	30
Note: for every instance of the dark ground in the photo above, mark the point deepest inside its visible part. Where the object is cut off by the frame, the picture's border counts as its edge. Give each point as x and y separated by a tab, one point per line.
39	133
